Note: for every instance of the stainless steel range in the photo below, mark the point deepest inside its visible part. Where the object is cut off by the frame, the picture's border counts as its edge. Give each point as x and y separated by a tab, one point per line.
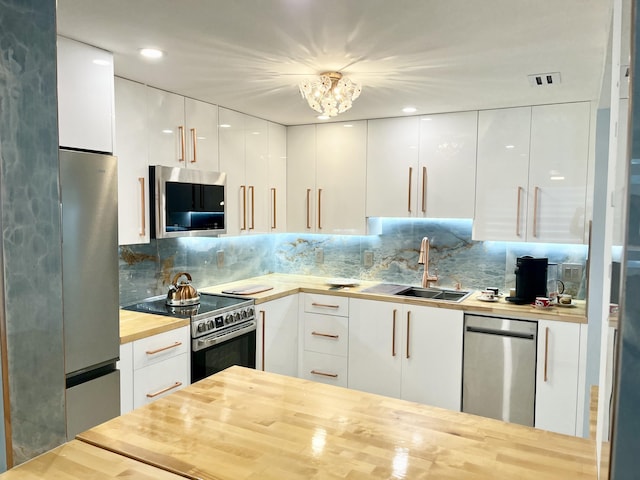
223	330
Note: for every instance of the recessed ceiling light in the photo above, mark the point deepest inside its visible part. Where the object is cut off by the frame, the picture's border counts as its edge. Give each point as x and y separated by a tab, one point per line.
556	177
167	131
409	109
255	133
224	125
151	52
322	117
348	125
509	146
101	62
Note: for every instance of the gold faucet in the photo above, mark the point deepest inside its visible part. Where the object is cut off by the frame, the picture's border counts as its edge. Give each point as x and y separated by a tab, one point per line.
423	259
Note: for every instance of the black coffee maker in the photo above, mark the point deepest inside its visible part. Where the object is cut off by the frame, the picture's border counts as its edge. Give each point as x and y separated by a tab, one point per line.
531	279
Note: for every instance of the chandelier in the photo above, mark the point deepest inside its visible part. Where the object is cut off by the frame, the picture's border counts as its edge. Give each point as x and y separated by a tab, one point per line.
330	93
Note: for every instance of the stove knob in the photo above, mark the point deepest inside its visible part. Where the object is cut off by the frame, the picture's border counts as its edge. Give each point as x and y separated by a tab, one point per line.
228	319
244	314
210	325
250	310
236	317
201	327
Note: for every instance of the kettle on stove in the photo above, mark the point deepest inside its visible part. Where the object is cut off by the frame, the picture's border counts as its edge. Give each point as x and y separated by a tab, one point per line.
183	293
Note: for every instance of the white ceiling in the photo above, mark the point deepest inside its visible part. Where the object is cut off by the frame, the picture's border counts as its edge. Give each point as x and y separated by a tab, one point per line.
436	55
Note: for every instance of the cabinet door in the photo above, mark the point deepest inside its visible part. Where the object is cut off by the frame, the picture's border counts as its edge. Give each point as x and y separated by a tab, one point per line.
125	365
431	349
160	379
301	178
502	174
202	135
256	176
341	178
277	184
133	172
448	165
277	344
85	96
166	128
324	368
375	347
392	167
232	163
558	173
557	376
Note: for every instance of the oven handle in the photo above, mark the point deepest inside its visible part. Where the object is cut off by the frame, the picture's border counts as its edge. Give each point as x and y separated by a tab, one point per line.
211	340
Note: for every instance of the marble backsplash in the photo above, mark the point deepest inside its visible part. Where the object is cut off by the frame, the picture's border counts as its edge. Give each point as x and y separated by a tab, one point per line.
147	270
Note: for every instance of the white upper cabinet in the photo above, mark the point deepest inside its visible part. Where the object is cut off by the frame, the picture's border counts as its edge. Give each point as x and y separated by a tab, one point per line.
392	167
301	178
558	173
85	96
447	169
182	131
502	174
130	147
422	166
277	160
326	178
532	174
244	151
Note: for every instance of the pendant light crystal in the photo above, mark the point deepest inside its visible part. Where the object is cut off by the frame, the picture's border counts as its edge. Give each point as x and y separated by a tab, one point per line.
330	93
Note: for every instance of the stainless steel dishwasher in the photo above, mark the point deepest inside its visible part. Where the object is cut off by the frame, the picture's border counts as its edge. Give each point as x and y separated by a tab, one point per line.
499	368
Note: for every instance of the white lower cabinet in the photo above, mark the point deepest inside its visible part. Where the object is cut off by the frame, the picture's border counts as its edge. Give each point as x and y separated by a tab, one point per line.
406	351
153	367
325	338
558	389
277	337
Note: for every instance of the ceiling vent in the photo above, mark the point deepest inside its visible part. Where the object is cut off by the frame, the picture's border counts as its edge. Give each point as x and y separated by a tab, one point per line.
542	79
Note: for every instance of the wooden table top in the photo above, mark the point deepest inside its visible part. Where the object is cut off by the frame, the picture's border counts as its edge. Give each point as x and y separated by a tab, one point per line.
246	424
137	325
77	460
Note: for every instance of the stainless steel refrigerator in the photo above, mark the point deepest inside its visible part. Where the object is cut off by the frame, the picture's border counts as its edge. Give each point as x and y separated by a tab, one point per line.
89	208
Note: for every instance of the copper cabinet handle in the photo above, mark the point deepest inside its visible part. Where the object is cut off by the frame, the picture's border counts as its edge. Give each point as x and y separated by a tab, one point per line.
546	353
325	305
424	189
409	201
323	374
143	223
253	209
408	330
319	209
243	191
264	328
519	206
194	140
182	148
162	349
535	211
308	208
327	335
273	197
393	334
164	390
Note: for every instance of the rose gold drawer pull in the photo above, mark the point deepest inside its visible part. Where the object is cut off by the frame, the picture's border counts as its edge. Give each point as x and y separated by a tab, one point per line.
194	140
409	196
393	334
323	374
324	305
162	349
264	328
253	208
408	331
243	193
424	189
182	148
535	211
319	209
327	335
143	225
546	353
273	192
519	206
308	208
164	390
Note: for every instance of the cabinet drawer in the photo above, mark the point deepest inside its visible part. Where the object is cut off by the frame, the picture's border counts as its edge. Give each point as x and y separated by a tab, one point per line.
326	304
160	379
151	350
326	334
324	368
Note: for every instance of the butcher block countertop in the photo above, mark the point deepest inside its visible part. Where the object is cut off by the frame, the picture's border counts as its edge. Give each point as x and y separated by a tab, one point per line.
285	284
247	424
77	460
137	325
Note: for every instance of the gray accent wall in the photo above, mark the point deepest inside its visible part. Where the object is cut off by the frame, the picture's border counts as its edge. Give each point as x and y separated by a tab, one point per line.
29	212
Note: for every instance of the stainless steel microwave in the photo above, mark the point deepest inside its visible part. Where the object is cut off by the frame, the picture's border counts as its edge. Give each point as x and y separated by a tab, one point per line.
186	202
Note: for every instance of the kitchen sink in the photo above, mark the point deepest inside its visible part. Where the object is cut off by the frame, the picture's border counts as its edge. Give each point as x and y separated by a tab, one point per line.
435	293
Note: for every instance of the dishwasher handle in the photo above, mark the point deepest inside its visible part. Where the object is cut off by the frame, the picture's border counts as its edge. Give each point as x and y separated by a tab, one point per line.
502	333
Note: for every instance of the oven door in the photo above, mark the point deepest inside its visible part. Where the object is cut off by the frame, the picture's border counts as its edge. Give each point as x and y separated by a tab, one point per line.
237	350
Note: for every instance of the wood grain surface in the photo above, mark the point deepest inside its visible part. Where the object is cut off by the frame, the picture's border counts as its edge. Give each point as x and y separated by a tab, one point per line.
246	424
136	325
80	461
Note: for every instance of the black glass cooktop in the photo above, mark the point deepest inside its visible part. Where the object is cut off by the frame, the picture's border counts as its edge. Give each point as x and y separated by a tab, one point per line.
208	303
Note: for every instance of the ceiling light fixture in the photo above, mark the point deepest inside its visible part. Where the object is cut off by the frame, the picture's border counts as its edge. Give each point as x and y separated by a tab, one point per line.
151	52
409	109
330	93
